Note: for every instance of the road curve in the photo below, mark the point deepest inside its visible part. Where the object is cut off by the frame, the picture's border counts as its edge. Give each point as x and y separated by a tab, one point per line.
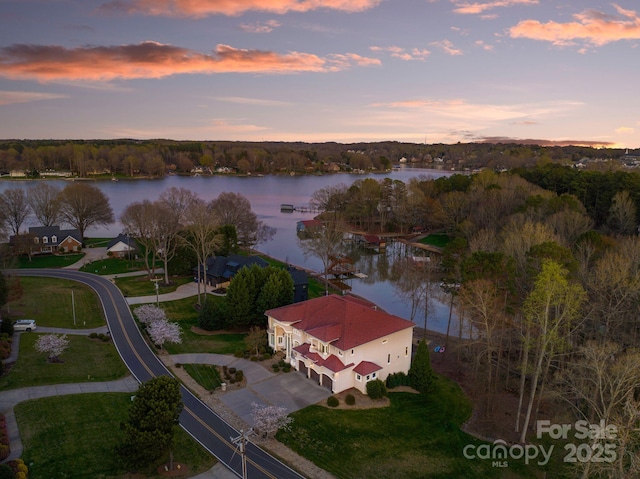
203	424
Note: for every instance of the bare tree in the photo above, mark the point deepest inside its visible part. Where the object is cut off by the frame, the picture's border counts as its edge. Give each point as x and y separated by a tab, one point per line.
323	243
235	209
139	220
83	206
202	236
15	208
622	214
43	199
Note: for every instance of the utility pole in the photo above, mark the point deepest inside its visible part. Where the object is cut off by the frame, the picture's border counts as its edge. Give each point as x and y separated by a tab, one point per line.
73	307
241	443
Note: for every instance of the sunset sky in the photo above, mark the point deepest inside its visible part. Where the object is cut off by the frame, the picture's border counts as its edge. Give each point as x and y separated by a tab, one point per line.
322	70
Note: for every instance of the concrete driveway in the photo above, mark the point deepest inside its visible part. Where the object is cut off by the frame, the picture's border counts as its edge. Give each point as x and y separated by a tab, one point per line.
292	391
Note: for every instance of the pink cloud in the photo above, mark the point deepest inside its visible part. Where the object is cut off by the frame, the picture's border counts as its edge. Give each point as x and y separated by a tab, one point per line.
260	27
591	26
155	60
204	8
447	47
481	7
402	54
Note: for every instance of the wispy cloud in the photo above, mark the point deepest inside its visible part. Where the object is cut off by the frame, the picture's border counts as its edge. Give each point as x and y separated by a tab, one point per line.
447	47
477	8
13	97
483	45
590	26
156	60
625	130
251	101
542	142
204	8
260	27
403	54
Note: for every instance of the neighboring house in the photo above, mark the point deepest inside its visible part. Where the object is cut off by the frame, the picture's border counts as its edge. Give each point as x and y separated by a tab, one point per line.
308	225
221	269
121	247
51	239
341	342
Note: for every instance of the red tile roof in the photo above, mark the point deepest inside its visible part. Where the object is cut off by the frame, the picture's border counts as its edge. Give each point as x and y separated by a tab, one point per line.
332	362
345	321
366	367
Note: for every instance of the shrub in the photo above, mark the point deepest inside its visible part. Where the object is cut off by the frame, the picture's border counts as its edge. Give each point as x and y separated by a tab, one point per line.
254	358
275	368
239	353
93	335
376	389
6	326
239	376
232	370
178	365
104	338
4	452
332	401
287	368
350	399
225	370
266	356
21	475
213	315
281	363
6	472
397	379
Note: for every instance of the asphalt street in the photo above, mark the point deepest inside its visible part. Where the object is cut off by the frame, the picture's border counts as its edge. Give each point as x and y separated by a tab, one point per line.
197	418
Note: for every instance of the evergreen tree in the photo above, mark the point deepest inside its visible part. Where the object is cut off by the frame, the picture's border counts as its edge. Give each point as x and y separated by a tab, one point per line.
420	373
153	415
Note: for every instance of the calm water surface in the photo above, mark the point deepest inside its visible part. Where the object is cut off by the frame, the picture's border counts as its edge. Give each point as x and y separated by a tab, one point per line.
266	194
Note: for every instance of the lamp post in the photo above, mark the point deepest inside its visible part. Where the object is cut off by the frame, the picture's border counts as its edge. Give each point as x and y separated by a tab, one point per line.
156	281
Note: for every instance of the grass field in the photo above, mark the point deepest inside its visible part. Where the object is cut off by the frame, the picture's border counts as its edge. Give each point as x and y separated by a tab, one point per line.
49	260
206	375
439	240
85	360
74	436
142	286
49	302
114	266
184	313
415	437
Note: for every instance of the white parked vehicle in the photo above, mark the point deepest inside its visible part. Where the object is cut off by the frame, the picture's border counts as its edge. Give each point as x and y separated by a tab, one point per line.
25	325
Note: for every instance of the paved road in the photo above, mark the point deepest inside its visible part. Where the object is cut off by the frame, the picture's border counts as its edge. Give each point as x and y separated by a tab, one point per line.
197	419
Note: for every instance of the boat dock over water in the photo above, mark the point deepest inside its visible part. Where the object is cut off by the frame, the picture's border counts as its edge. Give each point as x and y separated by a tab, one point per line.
287	208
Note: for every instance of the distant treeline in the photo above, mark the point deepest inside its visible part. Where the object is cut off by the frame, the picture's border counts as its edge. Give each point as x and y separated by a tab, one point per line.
85	158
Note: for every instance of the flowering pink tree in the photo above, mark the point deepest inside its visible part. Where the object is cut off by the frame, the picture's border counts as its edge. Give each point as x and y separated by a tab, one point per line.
162	331
149	313
267	420
52	344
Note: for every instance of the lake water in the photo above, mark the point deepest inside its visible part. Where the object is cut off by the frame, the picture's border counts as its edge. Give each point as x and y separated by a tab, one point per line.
266	194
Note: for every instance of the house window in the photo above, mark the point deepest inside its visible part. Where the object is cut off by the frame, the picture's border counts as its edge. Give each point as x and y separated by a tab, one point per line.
36	240
352	352
280	340
54	239
385	341
358	377
368	376
339	353
271	340
374	375
406	351
388	358
45	239
323	348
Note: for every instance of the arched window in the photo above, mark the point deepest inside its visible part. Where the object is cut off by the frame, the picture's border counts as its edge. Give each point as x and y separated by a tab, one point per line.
45	239
54	239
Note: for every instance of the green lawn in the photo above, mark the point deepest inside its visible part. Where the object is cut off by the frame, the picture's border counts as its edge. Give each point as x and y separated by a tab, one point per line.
49	301
74	436
206	375
49	260
114	266
96	242
85	360
142	286
415	437
184	313
440	240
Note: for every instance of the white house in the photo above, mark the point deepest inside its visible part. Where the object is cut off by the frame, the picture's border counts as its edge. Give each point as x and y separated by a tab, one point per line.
341	342
121	246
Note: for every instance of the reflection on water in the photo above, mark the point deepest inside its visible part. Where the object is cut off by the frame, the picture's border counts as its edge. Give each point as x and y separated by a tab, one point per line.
266	194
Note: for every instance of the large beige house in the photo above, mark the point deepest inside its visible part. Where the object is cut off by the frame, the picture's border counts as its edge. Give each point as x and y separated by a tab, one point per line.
341	342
